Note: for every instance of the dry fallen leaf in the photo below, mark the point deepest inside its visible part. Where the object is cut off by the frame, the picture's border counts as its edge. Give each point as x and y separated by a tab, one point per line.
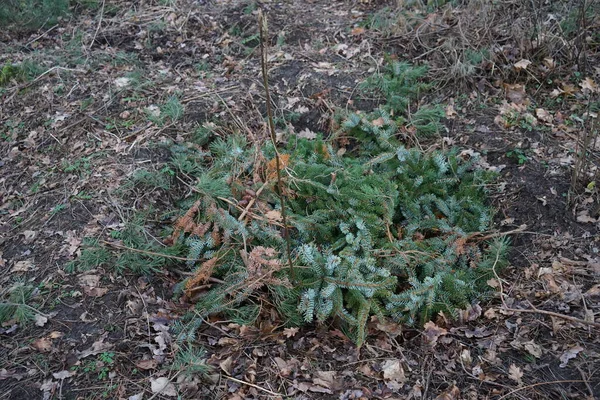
89	280
226	365
451	394
40	320
516	93
274	215
290	332
433	332
357	31
533	348
543	115
327	379
450	111
393	329
163	386
22	266
378	122
95	291
523	64
147	364
515	373
307	134
97	347
549	62
42	344
588	85
568	355
393	374
63	374
584	217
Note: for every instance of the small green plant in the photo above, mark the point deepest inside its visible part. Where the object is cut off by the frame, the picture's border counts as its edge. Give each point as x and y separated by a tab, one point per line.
81	166
171	110
203	134
281	39
518	155
58	208
144	258
92	256
13	303
250	8
202	67
11	129
191	360
83	195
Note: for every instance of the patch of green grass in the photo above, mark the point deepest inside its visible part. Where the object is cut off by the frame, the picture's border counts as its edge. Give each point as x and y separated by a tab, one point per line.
88	4
11	72
18	73
81	166
151	179
31	14
250	7
203	133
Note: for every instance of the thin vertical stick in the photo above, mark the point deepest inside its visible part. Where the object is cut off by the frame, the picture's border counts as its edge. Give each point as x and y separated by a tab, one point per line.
262	21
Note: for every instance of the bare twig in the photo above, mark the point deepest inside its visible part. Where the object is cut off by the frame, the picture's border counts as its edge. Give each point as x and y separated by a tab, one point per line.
99	24
252	201
39	37
553	314
539	384
263	51
253	385
146	252
476	236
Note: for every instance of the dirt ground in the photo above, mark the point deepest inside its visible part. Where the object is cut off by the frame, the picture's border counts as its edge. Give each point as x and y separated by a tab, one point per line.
72	138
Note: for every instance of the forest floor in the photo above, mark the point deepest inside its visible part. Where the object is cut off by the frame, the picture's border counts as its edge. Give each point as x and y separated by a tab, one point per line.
116	80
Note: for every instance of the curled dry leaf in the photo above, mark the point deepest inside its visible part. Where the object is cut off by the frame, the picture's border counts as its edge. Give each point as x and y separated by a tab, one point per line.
523	64
568	355
433	332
